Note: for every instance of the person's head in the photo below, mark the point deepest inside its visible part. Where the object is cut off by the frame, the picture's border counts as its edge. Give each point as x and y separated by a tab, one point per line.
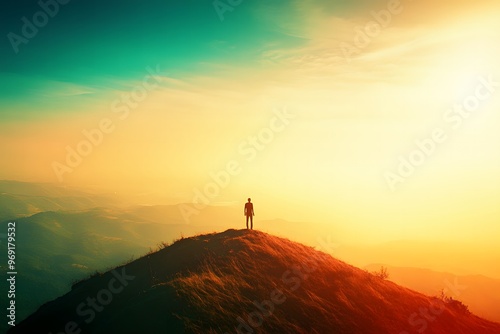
249	200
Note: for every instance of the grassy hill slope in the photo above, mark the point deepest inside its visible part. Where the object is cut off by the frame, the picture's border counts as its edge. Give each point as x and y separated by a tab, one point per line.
243	281
57	248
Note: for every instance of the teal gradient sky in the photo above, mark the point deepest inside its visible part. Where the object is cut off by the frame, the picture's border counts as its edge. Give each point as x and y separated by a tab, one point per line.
92	46
95	44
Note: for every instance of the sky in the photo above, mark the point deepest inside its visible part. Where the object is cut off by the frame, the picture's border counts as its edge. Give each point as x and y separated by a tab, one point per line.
377	118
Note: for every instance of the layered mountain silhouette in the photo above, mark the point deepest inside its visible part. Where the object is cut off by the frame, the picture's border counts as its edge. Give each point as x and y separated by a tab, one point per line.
480	293
21	199
242	281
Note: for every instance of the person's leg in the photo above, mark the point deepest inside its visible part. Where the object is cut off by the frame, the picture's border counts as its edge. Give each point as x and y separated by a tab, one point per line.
247	222
251	222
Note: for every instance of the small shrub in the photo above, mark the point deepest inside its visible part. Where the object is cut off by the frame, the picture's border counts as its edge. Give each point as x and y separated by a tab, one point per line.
382	273
454	304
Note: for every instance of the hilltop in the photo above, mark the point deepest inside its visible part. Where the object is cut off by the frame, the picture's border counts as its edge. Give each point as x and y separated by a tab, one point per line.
243	281
68	234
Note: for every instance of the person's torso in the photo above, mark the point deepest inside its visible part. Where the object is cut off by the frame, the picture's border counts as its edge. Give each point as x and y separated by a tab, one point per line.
249	208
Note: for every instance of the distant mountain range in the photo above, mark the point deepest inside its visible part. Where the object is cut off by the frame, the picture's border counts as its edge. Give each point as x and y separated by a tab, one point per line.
20	199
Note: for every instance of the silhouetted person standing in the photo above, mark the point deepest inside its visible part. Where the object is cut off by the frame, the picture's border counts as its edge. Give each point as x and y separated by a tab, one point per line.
249	213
